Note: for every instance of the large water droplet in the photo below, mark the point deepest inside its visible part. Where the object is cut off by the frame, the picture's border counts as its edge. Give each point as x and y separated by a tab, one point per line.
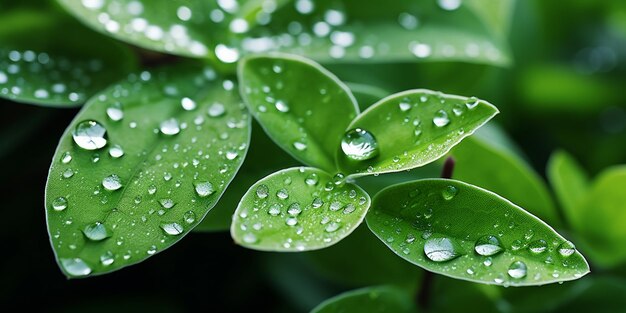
566	249
441	249
488	245
76	267
538	246
517	270
112	182
172	229
115	113
262	191
441	118
90	135
116	151
107	258
204	189
169	127
359	144
59	204
449	192
96	231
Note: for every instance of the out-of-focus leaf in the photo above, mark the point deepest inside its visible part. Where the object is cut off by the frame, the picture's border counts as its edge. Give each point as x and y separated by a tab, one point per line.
50	60
599	219
408	130
382	299
141	165
480	163
465	232
298	209
304	108
570	183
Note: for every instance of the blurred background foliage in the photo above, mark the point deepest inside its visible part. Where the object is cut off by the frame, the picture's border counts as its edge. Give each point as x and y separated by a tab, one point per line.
564	90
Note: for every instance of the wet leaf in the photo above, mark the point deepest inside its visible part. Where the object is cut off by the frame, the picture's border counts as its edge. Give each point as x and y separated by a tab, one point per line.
380	299
298	209
304	108
408	130
465	232
141	165
481	163
51	60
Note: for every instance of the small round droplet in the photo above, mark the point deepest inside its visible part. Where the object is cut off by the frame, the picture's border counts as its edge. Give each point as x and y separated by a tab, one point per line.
189	217
204	189
96	231
317	202
172	229
566	249
115	113
216	109
116	151
312	179
282	194
262	191
488	245
282	106
291	221
449	5
294	209
517	270
112	182
59	204
274	210
441	249
538	246
90	135
471	103
169	127
449	192
359	144
188	104
66	158
332	227
441	118
76	267
249	238
107	258
167	203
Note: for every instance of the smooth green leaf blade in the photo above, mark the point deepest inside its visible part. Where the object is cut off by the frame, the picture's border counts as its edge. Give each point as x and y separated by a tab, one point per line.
298	209
598	220
335	31
379	299
176	27
304	108
50	60
414	128
163	166
441	225
480	163
570	184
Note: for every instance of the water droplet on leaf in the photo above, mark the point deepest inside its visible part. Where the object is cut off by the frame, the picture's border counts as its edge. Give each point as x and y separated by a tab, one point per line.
359	144
441	249
488	245
90	135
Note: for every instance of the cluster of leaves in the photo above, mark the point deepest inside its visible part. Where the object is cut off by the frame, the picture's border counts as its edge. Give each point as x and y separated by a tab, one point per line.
153	152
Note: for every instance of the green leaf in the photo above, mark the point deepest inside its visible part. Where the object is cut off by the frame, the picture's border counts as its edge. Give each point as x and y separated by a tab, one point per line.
411	129
50	60
483	164
400	31
163	163
256	166
465	232
298	209
304	108
570	183
177	27
598	220
380	299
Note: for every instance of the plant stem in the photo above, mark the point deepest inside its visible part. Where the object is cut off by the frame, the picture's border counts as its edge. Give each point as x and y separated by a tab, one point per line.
423	297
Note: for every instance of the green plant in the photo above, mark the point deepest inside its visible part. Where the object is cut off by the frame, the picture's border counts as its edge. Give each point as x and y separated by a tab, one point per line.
206	141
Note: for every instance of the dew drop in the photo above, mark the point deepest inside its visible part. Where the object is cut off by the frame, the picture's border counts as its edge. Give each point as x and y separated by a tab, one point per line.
116	151
359	144
312	179
294	209
274	209
471	103
282	194
441	118
291	221
449	5
66	158
167	203
107	258
216	110
281	106
204	189
538	246
317	203
249	238
172	229
115	113
449	192
488	245
59	204
76	267
332	227
517	270
188	104
96	231
189	217
262	191
90	135
169	127
566	249
112	182
441	249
